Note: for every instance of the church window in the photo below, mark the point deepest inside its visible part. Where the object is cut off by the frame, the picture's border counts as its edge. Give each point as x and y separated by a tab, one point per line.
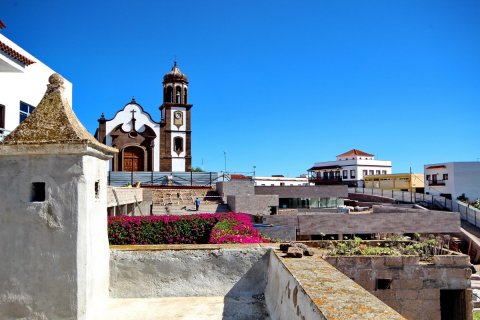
169	94
177	94
178	145
185	95
2	116
37	192
25	110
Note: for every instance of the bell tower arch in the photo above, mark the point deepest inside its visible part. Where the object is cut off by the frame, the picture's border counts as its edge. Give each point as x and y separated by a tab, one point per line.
175	130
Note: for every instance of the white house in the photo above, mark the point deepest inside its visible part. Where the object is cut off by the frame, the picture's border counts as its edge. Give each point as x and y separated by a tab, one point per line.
452	179
279	180
349	168
23	79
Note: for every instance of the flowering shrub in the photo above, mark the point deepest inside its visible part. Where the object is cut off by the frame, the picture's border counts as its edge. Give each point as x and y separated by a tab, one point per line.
232	228
235	229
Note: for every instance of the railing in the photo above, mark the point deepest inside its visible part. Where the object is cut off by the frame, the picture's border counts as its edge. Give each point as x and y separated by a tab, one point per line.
121	178
4	133
436	182
467	212
325	179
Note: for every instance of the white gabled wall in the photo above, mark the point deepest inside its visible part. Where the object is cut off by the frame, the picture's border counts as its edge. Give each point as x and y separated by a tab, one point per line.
125	117
27	85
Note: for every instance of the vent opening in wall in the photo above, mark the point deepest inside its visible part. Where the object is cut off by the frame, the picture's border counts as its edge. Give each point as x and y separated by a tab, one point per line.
384	284
97	189
37	193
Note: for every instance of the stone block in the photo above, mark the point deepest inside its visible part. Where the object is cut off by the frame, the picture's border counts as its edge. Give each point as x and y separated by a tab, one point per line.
443	260
429	294
395	261
331	260
406	294
294	252
410	260
378	262
408	284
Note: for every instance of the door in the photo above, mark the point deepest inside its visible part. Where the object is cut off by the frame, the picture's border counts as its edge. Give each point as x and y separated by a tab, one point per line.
133	159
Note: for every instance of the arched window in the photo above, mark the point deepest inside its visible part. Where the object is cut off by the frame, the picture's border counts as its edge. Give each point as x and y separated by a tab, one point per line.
185	95
168	95
178	93
178	145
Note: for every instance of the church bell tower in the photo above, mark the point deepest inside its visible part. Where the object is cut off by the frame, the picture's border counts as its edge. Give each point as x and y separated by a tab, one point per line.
175	130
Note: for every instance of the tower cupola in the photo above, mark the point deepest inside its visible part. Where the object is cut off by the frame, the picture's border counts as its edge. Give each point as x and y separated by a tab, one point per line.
175	86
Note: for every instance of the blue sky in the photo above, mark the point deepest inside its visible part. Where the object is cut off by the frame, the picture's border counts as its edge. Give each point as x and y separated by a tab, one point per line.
275	84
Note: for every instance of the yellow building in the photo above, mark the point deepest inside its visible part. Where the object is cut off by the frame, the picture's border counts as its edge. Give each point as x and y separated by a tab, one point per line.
398	181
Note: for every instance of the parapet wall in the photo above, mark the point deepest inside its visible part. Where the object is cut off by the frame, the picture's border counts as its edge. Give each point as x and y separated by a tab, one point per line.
253	204
333	191
411	222
413	286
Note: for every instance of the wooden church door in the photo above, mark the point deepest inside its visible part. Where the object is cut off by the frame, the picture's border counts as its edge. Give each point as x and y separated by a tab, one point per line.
133	159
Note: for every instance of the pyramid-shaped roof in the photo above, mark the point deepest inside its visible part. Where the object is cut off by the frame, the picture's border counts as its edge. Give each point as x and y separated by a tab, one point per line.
355	152
54	122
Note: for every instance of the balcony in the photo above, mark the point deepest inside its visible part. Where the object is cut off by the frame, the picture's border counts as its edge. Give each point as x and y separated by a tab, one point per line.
325	180
436	182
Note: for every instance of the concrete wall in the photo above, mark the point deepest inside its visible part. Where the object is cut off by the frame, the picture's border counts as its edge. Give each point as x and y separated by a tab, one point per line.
372	198
237	187
333	191
415	288
283	297
129	201
215	272
422	222
252	204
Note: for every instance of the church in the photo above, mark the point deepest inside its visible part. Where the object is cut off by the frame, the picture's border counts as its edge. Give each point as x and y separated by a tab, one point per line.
148	145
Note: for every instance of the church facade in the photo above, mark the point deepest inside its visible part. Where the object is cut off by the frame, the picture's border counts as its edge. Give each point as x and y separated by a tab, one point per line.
148	145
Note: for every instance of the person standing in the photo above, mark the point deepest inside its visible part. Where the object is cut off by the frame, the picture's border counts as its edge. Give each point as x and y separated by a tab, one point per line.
197	204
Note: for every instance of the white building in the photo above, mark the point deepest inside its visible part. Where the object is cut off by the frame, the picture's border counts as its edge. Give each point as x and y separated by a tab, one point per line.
275	181
23	79
349	168
452	179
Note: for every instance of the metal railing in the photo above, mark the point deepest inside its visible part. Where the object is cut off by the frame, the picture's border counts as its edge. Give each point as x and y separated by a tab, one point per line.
467	212
121	178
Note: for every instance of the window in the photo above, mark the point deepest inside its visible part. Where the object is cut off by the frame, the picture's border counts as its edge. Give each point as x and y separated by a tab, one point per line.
25	110
352	174
168	95
428	177
383	284
384	171
370	172
345	174
177	94
185	95
445	176
97	189
178	145
2	116
365	172
377	172
37	193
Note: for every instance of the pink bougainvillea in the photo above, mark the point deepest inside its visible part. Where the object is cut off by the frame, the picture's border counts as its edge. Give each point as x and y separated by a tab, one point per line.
199	228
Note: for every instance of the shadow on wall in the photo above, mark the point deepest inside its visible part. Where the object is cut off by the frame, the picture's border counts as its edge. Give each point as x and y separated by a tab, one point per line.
246	299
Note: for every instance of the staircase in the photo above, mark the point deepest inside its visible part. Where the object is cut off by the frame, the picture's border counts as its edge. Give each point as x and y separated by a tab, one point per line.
180	201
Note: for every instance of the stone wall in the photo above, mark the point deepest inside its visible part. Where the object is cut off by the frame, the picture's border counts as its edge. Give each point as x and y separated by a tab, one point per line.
252	204
119	196
331	223
370	198
231	188
414	287
334	191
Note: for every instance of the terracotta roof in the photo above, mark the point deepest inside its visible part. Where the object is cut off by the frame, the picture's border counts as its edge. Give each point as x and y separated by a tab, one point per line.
54	122
175	74
15	55
355	152
2	25
436	166
239	177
